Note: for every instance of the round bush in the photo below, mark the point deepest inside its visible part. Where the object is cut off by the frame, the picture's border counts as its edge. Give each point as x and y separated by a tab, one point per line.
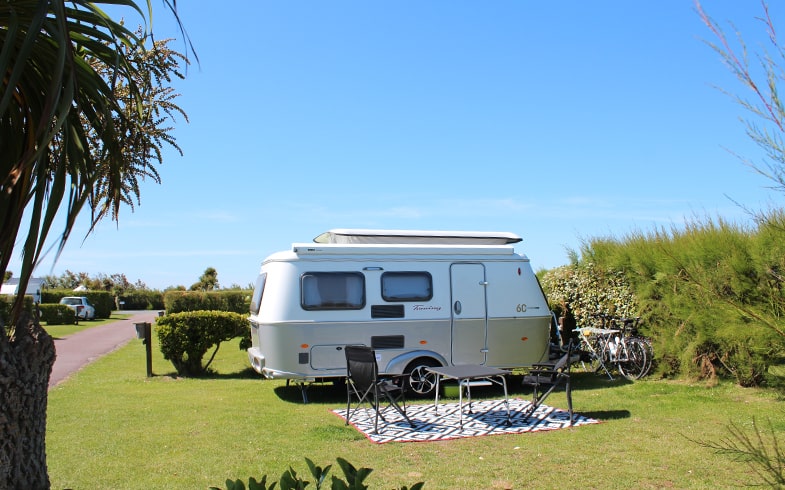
186	337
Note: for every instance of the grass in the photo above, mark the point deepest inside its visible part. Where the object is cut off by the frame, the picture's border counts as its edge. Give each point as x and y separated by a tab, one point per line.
61	331
111	427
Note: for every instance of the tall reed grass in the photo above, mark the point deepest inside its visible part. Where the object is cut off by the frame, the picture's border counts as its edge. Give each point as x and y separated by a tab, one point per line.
711	294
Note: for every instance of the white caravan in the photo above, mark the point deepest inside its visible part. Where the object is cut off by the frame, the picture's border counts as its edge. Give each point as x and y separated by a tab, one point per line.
419	298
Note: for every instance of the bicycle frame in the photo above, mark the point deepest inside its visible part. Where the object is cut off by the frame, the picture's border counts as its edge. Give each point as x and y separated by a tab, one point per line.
596	341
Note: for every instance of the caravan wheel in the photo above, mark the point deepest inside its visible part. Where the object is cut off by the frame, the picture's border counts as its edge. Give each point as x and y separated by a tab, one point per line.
420	380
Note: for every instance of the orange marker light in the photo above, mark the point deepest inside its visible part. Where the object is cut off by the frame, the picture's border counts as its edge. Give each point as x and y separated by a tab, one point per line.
423	342
303	346
524	338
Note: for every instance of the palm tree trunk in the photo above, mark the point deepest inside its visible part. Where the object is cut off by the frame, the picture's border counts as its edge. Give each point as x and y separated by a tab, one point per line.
26	359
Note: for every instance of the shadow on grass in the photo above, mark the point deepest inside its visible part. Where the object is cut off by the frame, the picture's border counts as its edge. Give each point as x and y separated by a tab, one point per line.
332	392
607	414
593	381
247	373
326	392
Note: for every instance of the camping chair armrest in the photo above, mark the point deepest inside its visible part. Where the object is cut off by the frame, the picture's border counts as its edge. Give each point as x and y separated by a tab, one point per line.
397	379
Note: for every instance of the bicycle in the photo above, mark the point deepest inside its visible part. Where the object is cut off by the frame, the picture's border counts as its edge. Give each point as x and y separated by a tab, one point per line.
611	347
629	329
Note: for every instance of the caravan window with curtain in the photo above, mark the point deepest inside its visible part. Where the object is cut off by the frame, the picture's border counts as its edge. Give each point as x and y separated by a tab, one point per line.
332	291
407	286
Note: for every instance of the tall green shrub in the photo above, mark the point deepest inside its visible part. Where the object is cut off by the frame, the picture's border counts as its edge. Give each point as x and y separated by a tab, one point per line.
710	293
186	337
584	291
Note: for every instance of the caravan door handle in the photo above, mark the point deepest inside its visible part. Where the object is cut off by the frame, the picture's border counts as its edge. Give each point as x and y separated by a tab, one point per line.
457	307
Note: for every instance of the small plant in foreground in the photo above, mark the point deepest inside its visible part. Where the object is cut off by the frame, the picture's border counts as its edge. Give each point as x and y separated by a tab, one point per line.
767	462
291	481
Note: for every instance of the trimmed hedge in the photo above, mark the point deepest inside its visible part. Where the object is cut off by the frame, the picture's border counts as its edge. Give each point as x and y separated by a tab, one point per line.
187	336
57	314
180	301
103	301
142	300
7	300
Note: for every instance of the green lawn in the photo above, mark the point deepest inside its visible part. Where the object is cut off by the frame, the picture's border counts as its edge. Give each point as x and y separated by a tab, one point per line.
111	427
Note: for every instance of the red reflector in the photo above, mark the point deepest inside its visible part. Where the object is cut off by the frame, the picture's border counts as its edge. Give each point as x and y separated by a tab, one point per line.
524	338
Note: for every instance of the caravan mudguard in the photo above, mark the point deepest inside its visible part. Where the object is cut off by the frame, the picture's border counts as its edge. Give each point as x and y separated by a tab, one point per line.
398	364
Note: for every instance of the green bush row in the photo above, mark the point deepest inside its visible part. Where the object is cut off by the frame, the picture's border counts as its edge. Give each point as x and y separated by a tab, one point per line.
180	301
102	301
7	301
186	337
141	300
51	313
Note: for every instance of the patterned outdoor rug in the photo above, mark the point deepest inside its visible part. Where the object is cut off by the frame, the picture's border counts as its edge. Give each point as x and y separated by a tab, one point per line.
488	417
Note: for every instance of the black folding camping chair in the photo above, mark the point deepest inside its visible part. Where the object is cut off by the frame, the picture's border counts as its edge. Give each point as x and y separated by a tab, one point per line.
549	375
364	386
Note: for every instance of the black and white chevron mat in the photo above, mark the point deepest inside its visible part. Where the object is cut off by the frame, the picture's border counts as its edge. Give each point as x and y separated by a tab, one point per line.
487	417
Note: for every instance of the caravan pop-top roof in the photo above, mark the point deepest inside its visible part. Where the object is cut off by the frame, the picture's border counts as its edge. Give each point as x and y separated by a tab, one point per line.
418	237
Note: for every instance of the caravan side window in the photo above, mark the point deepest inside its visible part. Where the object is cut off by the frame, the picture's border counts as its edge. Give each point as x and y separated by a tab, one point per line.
332	291
407	286
258	292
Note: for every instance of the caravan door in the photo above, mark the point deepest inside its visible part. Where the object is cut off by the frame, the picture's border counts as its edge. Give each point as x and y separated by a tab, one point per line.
469	313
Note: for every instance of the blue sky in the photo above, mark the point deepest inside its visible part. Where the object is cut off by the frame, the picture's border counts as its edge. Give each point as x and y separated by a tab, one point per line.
559	121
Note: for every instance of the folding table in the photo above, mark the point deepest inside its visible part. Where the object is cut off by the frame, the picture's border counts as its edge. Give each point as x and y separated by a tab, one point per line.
465	374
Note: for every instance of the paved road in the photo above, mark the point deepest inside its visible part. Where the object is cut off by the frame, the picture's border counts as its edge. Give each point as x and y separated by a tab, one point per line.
78	350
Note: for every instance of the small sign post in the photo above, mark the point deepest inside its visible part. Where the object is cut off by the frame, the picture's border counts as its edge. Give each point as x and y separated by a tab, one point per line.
144	331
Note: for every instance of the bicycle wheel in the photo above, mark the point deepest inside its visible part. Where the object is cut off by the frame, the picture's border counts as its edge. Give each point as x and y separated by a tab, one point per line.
649	354
635	364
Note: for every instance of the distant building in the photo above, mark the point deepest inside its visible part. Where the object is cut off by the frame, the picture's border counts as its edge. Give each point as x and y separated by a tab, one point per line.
34	286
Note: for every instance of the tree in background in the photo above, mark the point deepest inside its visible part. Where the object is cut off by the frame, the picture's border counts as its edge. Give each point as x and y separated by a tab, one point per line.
116	283
208	281
66	280
79	125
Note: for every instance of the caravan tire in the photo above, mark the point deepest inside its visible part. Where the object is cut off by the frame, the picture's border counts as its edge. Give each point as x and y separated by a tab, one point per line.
419	380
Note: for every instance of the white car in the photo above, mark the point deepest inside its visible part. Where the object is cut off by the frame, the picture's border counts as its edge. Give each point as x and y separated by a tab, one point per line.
80	305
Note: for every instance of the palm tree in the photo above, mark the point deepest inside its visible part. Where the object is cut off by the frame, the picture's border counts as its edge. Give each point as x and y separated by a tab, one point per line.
80	124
